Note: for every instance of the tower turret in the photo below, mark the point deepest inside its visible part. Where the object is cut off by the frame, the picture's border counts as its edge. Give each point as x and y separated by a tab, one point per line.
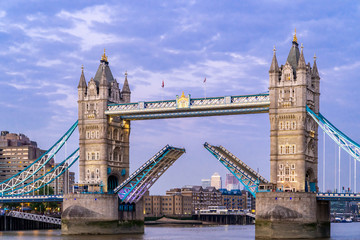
125	92
82	86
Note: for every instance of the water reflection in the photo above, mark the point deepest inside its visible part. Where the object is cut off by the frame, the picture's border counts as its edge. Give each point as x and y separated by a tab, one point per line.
338	231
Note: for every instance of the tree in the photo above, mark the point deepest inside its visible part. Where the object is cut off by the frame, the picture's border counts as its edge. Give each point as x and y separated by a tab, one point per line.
41	206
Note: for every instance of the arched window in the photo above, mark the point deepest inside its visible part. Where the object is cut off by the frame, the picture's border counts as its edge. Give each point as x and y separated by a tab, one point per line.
281	149
287	125
293	149
293	125
281	125
115	135
287	149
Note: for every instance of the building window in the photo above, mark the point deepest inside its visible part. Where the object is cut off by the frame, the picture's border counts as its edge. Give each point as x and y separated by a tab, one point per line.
287	125
281	125
293	125
281	166
292	166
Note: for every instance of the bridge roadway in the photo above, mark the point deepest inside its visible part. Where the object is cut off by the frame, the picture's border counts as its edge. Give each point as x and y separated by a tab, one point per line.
59	198
191	107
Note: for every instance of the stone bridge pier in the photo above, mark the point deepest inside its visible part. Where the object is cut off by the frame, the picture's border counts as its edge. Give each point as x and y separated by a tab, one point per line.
100	214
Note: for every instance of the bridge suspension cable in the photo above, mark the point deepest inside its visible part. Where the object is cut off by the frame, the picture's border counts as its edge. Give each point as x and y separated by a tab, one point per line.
33	168
339	137
47	178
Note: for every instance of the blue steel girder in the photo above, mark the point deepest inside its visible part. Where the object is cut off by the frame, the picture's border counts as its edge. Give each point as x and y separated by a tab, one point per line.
33	168
197	107
346	143
338	196
49	177
31	198
247	176
134	187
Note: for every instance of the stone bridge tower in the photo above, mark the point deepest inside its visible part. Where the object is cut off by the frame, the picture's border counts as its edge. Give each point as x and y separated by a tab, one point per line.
293	212
293	133
104	141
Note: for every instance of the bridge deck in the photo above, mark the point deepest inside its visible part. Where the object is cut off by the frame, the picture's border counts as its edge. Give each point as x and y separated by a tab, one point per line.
247	176
35	217
134	187
187	107
31	198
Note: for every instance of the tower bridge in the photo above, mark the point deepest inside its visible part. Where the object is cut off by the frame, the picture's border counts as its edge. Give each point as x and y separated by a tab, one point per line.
289	200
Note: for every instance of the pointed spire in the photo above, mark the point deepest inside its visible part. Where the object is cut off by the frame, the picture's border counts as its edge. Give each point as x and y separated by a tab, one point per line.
274	64
82	82
103	80
301	64
104	58
126	88
315	71
295	38
293	57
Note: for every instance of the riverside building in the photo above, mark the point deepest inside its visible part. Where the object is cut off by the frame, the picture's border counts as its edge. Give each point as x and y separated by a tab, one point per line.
17	152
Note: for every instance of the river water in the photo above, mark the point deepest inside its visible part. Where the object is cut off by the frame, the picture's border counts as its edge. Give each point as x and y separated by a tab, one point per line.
338	231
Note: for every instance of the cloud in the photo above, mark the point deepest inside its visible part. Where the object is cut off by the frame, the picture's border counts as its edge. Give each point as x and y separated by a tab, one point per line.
84	26
231	74
48	63
61	95
2	14
348	67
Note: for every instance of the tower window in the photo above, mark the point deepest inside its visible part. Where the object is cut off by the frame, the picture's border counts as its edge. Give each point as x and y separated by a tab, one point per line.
287	125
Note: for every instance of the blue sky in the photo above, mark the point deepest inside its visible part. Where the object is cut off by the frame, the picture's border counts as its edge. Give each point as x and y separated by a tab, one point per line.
44	43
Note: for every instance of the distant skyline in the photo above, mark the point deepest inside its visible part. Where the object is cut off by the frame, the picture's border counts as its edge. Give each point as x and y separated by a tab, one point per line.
230	43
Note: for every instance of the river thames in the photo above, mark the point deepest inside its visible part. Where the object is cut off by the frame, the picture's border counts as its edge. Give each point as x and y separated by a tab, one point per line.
338	231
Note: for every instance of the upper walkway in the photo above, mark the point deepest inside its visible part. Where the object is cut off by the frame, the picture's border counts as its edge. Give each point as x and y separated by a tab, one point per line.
185	106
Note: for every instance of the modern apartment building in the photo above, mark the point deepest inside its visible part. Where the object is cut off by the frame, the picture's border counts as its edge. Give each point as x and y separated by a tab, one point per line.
17	152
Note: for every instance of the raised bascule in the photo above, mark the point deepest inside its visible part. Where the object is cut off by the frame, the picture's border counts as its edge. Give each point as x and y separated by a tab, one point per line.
108	199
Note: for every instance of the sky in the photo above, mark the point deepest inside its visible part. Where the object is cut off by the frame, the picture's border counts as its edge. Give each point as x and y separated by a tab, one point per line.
44	43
